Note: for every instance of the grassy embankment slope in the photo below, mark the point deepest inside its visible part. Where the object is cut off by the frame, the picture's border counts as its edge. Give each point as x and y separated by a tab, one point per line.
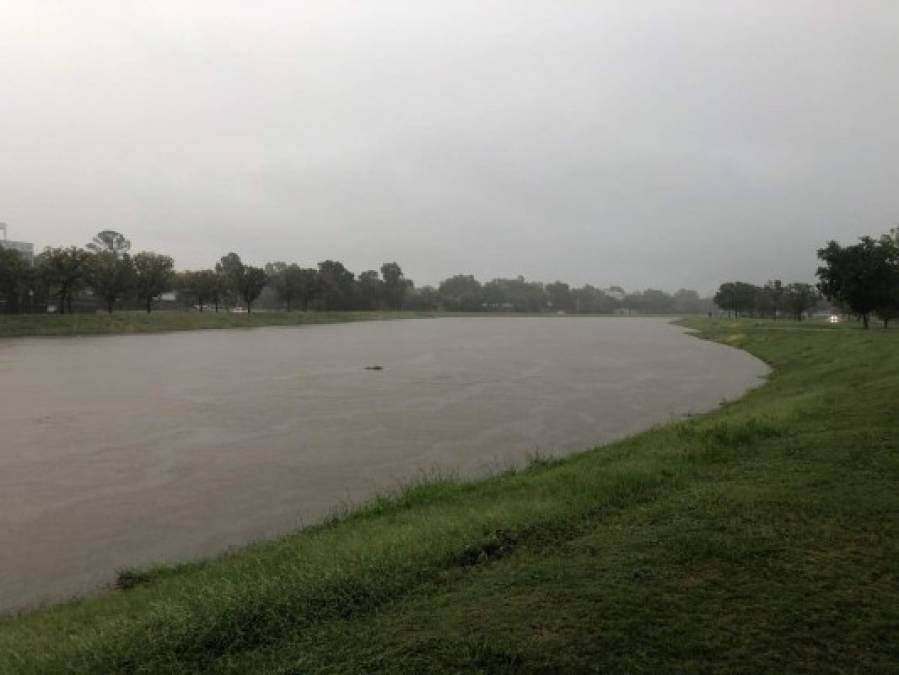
761	537
162	321
167	320
21	325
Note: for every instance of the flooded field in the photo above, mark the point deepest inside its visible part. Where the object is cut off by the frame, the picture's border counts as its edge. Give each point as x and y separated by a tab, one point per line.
125	450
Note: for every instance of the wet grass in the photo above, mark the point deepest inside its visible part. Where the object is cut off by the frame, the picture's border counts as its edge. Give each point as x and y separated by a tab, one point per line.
762	537
22	325
161	321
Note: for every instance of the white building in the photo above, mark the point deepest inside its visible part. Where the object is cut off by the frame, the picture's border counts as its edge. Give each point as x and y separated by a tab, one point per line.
24	249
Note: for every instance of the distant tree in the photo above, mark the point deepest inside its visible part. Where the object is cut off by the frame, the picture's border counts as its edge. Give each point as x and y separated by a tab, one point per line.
739	298
395	285
632	302
16	279
154	275
800	298
559	295
686	301
371	291
63	271
525	296
750	298
184	291
230	267
888	306
859	277
110	275
424	299
287	281
655	301
773	293
726	297
591	300
221	292
307	286
251	284
110	241
461	293
336	286
201	287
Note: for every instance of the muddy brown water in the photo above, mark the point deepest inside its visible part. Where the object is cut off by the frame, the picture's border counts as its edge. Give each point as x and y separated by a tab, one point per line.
126	450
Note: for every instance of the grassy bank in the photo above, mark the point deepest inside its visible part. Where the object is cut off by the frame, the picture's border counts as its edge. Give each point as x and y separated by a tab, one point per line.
761	537
128	322
21	325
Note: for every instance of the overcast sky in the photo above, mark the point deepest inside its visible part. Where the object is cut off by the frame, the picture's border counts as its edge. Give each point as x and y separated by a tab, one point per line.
647	144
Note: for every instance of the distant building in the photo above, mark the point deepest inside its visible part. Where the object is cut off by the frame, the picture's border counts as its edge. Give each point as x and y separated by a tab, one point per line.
24	249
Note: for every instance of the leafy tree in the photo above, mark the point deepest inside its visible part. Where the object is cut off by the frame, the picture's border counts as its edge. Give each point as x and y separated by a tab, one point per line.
289	282
739	297
250	285
559	295
800	298
230	269
371	290
516	294
201	287
154	275
461	293
395	285
655	301
773	295
110	241
859	276
591	300
888	306
336	285
632	302
277	279
726	297
63	271
16	280
686	301
307	286
749	297
220	291
110	275
424	299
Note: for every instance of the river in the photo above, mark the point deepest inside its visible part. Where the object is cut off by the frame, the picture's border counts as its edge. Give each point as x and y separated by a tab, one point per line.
125	450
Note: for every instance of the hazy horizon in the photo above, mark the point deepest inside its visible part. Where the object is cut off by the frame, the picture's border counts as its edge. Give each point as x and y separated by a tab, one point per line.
659	144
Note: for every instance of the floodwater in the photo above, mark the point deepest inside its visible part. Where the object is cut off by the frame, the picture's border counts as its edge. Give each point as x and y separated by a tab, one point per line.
127	450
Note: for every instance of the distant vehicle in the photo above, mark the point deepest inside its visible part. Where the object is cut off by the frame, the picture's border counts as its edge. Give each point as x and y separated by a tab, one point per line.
239	310
834	318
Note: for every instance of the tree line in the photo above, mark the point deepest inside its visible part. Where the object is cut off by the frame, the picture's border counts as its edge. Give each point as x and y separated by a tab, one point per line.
773	299
106	274
861	280
467	294
104	268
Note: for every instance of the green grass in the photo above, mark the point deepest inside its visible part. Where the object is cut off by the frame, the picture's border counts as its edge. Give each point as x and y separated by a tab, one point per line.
125	322
21	325
763	537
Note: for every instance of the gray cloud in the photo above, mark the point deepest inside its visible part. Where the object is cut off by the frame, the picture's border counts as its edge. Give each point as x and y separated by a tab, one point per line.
662	144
